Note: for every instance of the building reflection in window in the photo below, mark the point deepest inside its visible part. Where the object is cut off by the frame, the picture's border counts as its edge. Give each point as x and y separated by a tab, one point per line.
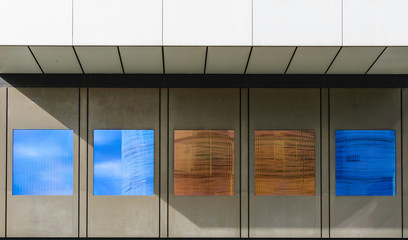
124	162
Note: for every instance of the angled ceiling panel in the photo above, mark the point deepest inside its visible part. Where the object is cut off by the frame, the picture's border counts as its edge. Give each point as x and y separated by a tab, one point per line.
184	59
269	60
17	60
99	59
230	60
57	59
312	60
142	59
354	60
394	60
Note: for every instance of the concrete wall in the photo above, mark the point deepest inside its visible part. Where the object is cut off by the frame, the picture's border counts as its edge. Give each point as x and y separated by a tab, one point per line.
165	110
204	22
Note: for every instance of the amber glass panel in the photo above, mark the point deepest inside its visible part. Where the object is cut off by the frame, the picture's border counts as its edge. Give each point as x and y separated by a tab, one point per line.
203	162
285	162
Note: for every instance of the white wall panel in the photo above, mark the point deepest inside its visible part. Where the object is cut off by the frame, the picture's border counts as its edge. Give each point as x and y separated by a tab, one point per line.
117	22
207	22
39	22
375	22
297	23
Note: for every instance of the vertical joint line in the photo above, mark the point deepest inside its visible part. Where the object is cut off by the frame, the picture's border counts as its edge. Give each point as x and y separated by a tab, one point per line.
249	58
42	71
164	66
248	165
321	178
79	62
6	152
240	162
402	164
290	61
205	61
331	63
87	156
329	159
381	53
160	158
168	166
121	62
79	162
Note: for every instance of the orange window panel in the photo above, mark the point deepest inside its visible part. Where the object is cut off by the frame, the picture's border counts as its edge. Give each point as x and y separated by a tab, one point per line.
285	162
203	162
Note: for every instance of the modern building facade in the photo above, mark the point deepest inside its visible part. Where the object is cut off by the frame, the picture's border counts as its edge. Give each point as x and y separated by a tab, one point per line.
313	67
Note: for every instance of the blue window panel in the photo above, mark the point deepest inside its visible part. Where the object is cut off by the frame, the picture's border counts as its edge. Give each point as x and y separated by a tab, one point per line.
123	162
365	162
43	162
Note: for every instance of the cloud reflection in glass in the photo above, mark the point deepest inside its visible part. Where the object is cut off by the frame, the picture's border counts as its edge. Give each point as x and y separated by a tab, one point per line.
124	162
42	162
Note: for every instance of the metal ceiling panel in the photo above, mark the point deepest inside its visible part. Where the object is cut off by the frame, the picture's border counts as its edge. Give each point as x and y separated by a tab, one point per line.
17	60
57	59
394	60
354	60
269	60
99	59
142	59
184	59
229	60
312	60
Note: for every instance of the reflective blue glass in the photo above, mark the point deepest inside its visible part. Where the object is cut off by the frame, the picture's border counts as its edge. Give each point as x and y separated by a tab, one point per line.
43	162
123	162
365	162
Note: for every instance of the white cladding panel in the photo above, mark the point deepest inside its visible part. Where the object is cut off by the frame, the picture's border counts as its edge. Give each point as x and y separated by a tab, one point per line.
375	22
207	22
297	23
117	22
39	22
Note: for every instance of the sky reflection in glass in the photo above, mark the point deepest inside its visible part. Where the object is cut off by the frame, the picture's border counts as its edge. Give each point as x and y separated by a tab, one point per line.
43	162
365	162
124	162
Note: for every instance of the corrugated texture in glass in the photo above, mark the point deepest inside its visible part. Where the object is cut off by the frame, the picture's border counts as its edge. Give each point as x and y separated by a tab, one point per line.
43	162
203	162
285	162
124	162
365	162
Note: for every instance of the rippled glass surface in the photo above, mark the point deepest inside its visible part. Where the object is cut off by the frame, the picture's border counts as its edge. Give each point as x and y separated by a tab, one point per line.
203	162
124	162
365	162
43	162
285	162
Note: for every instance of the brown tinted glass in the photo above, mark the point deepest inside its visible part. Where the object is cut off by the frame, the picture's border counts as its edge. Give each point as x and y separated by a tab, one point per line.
285	162
203	162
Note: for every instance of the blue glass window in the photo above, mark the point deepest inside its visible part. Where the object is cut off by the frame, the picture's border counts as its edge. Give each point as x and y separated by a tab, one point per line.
365	162
123	162
43	162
